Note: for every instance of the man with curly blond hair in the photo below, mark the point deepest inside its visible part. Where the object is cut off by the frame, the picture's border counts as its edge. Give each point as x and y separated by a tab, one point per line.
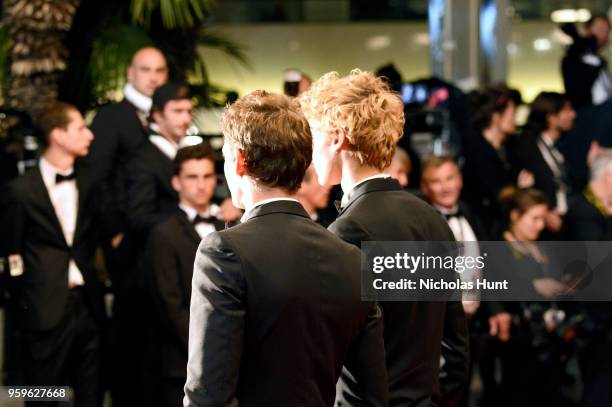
356	122
275	305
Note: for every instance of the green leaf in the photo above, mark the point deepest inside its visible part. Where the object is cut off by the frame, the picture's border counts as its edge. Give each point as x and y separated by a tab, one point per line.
174	13
5	46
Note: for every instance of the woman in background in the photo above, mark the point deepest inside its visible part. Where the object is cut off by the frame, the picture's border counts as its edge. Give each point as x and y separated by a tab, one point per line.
533	360
487	166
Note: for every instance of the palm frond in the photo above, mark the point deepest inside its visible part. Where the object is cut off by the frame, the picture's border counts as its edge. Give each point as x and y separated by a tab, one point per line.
5	47
174	13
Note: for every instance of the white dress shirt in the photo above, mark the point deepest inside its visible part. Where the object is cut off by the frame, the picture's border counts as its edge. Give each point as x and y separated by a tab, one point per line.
142	102
168	147
64	197
202	228
463	232
553	158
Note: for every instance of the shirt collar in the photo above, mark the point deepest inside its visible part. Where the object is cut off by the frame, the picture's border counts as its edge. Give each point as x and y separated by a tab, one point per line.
168	147
446	211
48	171
212	211
347	196
245	215
142	102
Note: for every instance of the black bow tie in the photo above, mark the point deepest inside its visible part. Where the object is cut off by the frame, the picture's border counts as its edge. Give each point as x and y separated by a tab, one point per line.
203	219
456	214
61	178
338	205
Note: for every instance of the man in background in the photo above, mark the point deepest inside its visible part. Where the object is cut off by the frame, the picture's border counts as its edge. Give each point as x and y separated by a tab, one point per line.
314	197
586	73
120	128
51	239
170	255
400	167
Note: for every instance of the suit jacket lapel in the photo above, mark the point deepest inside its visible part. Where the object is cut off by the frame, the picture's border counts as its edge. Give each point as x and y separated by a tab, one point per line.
41	197
164	169
82	204
189	228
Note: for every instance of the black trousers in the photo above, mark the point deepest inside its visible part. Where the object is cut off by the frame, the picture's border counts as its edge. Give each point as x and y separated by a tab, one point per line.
596	365
172	392
67	355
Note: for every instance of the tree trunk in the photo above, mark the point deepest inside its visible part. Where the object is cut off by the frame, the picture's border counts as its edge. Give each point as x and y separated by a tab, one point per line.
37	29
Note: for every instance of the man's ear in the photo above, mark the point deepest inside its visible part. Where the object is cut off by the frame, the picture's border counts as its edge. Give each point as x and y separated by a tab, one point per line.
240	163
130	73
56	136
155	115
339	141
495	118
176	184
514	215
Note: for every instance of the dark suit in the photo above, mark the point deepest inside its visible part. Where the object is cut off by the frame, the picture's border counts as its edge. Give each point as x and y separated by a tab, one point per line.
59	325
276	311
592	123
584	222
170	255
151	197
452	381
378	210
527	155
150	200
118	135
486	173
579	76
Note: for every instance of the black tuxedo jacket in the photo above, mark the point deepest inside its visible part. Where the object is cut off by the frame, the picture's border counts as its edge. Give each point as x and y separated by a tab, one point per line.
170	254
34	232
482	234
527	156
485	175
378	210
275	312
584	222
471	218
151	198
118	135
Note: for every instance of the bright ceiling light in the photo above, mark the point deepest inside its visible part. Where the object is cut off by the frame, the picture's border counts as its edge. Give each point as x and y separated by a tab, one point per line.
378	42
542	44
569	15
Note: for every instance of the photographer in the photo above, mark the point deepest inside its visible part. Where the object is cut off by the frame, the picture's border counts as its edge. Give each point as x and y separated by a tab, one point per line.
585	72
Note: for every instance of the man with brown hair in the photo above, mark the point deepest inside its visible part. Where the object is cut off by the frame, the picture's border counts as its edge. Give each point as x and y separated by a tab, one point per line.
275	304
170	254
314	197
356	123
51	237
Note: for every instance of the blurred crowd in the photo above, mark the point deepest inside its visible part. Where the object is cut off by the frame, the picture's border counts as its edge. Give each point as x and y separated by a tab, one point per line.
122	205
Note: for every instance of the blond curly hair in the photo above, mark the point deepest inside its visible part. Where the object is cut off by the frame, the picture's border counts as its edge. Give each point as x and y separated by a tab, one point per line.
363	106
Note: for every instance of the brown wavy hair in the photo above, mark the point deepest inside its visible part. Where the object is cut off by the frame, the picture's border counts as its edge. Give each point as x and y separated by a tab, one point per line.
273	134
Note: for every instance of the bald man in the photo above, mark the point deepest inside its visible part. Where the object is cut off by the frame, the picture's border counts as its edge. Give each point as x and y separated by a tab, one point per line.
120	130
